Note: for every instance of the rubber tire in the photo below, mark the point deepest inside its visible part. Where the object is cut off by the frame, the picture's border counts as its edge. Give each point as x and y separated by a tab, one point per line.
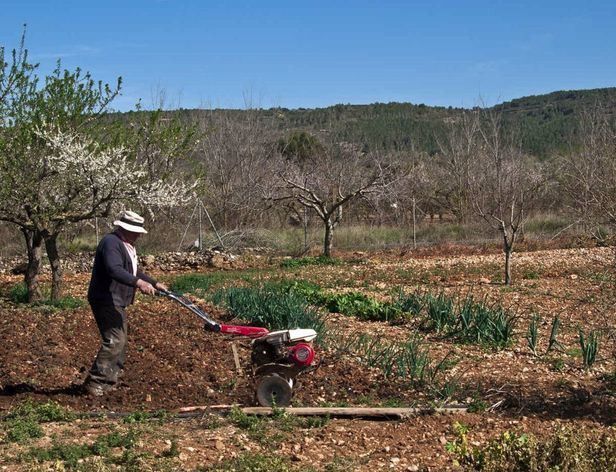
274	390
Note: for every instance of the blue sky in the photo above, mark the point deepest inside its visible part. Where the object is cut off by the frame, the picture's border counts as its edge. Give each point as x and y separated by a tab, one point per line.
319	53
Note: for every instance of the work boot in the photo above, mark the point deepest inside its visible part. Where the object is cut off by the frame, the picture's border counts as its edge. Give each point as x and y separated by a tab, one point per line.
95	389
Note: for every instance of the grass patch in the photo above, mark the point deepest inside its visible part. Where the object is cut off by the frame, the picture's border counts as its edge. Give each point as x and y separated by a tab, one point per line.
23	422
72	454
308	261
251	462
19	295
200	284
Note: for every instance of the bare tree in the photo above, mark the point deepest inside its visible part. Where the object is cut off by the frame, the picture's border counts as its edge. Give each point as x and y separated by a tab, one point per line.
587	173
327	178
235	152
451	168
506	185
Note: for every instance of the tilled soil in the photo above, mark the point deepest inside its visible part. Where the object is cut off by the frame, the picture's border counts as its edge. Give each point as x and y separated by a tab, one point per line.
172	362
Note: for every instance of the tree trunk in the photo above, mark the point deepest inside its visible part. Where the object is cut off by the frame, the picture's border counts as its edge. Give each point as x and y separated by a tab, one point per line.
328	241
507	249
51	244
34	246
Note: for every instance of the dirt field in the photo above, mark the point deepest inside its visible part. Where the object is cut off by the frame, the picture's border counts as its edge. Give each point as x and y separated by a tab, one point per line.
173	363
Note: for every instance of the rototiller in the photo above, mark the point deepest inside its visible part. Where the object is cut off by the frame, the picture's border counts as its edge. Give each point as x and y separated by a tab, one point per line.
278	357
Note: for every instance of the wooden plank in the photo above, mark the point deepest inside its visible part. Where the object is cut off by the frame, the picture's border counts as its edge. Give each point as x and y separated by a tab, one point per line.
350	412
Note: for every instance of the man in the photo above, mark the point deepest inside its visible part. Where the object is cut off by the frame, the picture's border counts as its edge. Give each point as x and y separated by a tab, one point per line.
115	276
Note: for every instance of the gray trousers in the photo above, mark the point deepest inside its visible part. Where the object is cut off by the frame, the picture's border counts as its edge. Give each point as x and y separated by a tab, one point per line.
109	362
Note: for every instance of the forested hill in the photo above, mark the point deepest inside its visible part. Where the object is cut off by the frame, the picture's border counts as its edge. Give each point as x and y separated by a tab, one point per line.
545	123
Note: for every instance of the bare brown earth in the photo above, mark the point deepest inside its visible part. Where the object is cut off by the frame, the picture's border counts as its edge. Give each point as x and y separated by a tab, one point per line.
173	362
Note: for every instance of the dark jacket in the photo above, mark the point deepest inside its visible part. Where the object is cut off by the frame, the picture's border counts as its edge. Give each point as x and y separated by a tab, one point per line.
113	282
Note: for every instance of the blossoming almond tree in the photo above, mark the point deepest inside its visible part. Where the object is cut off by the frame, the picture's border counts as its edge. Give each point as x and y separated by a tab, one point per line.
64	159
73	179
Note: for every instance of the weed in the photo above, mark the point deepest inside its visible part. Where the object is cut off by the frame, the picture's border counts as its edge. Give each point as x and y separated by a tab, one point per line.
558	365
198	284
459	446
68	453
251	462
145	416
477	405
314	422
23	429
530	275
533	335
64	303
23	422
553	342
341	464
211	421
173	451
567	449
244	421
590	346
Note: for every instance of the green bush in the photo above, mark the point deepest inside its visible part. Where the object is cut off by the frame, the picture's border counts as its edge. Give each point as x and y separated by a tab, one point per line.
19	293
361	306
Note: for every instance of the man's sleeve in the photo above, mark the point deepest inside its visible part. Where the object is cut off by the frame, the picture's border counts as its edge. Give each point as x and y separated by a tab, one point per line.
112	258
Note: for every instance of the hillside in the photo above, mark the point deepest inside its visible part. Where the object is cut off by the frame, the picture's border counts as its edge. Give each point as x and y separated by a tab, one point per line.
545	123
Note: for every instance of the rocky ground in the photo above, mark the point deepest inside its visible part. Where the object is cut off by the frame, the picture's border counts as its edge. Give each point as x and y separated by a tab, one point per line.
173	363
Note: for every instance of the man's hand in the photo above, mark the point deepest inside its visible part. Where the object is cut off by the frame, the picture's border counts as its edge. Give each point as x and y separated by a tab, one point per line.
146	287
162	286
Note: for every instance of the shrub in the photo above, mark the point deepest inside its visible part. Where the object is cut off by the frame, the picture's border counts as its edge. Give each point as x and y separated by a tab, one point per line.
19	293
361	306
567	449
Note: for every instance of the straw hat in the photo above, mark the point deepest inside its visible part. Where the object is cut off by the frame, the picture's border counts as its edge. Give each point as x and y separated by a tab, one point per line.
130	221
